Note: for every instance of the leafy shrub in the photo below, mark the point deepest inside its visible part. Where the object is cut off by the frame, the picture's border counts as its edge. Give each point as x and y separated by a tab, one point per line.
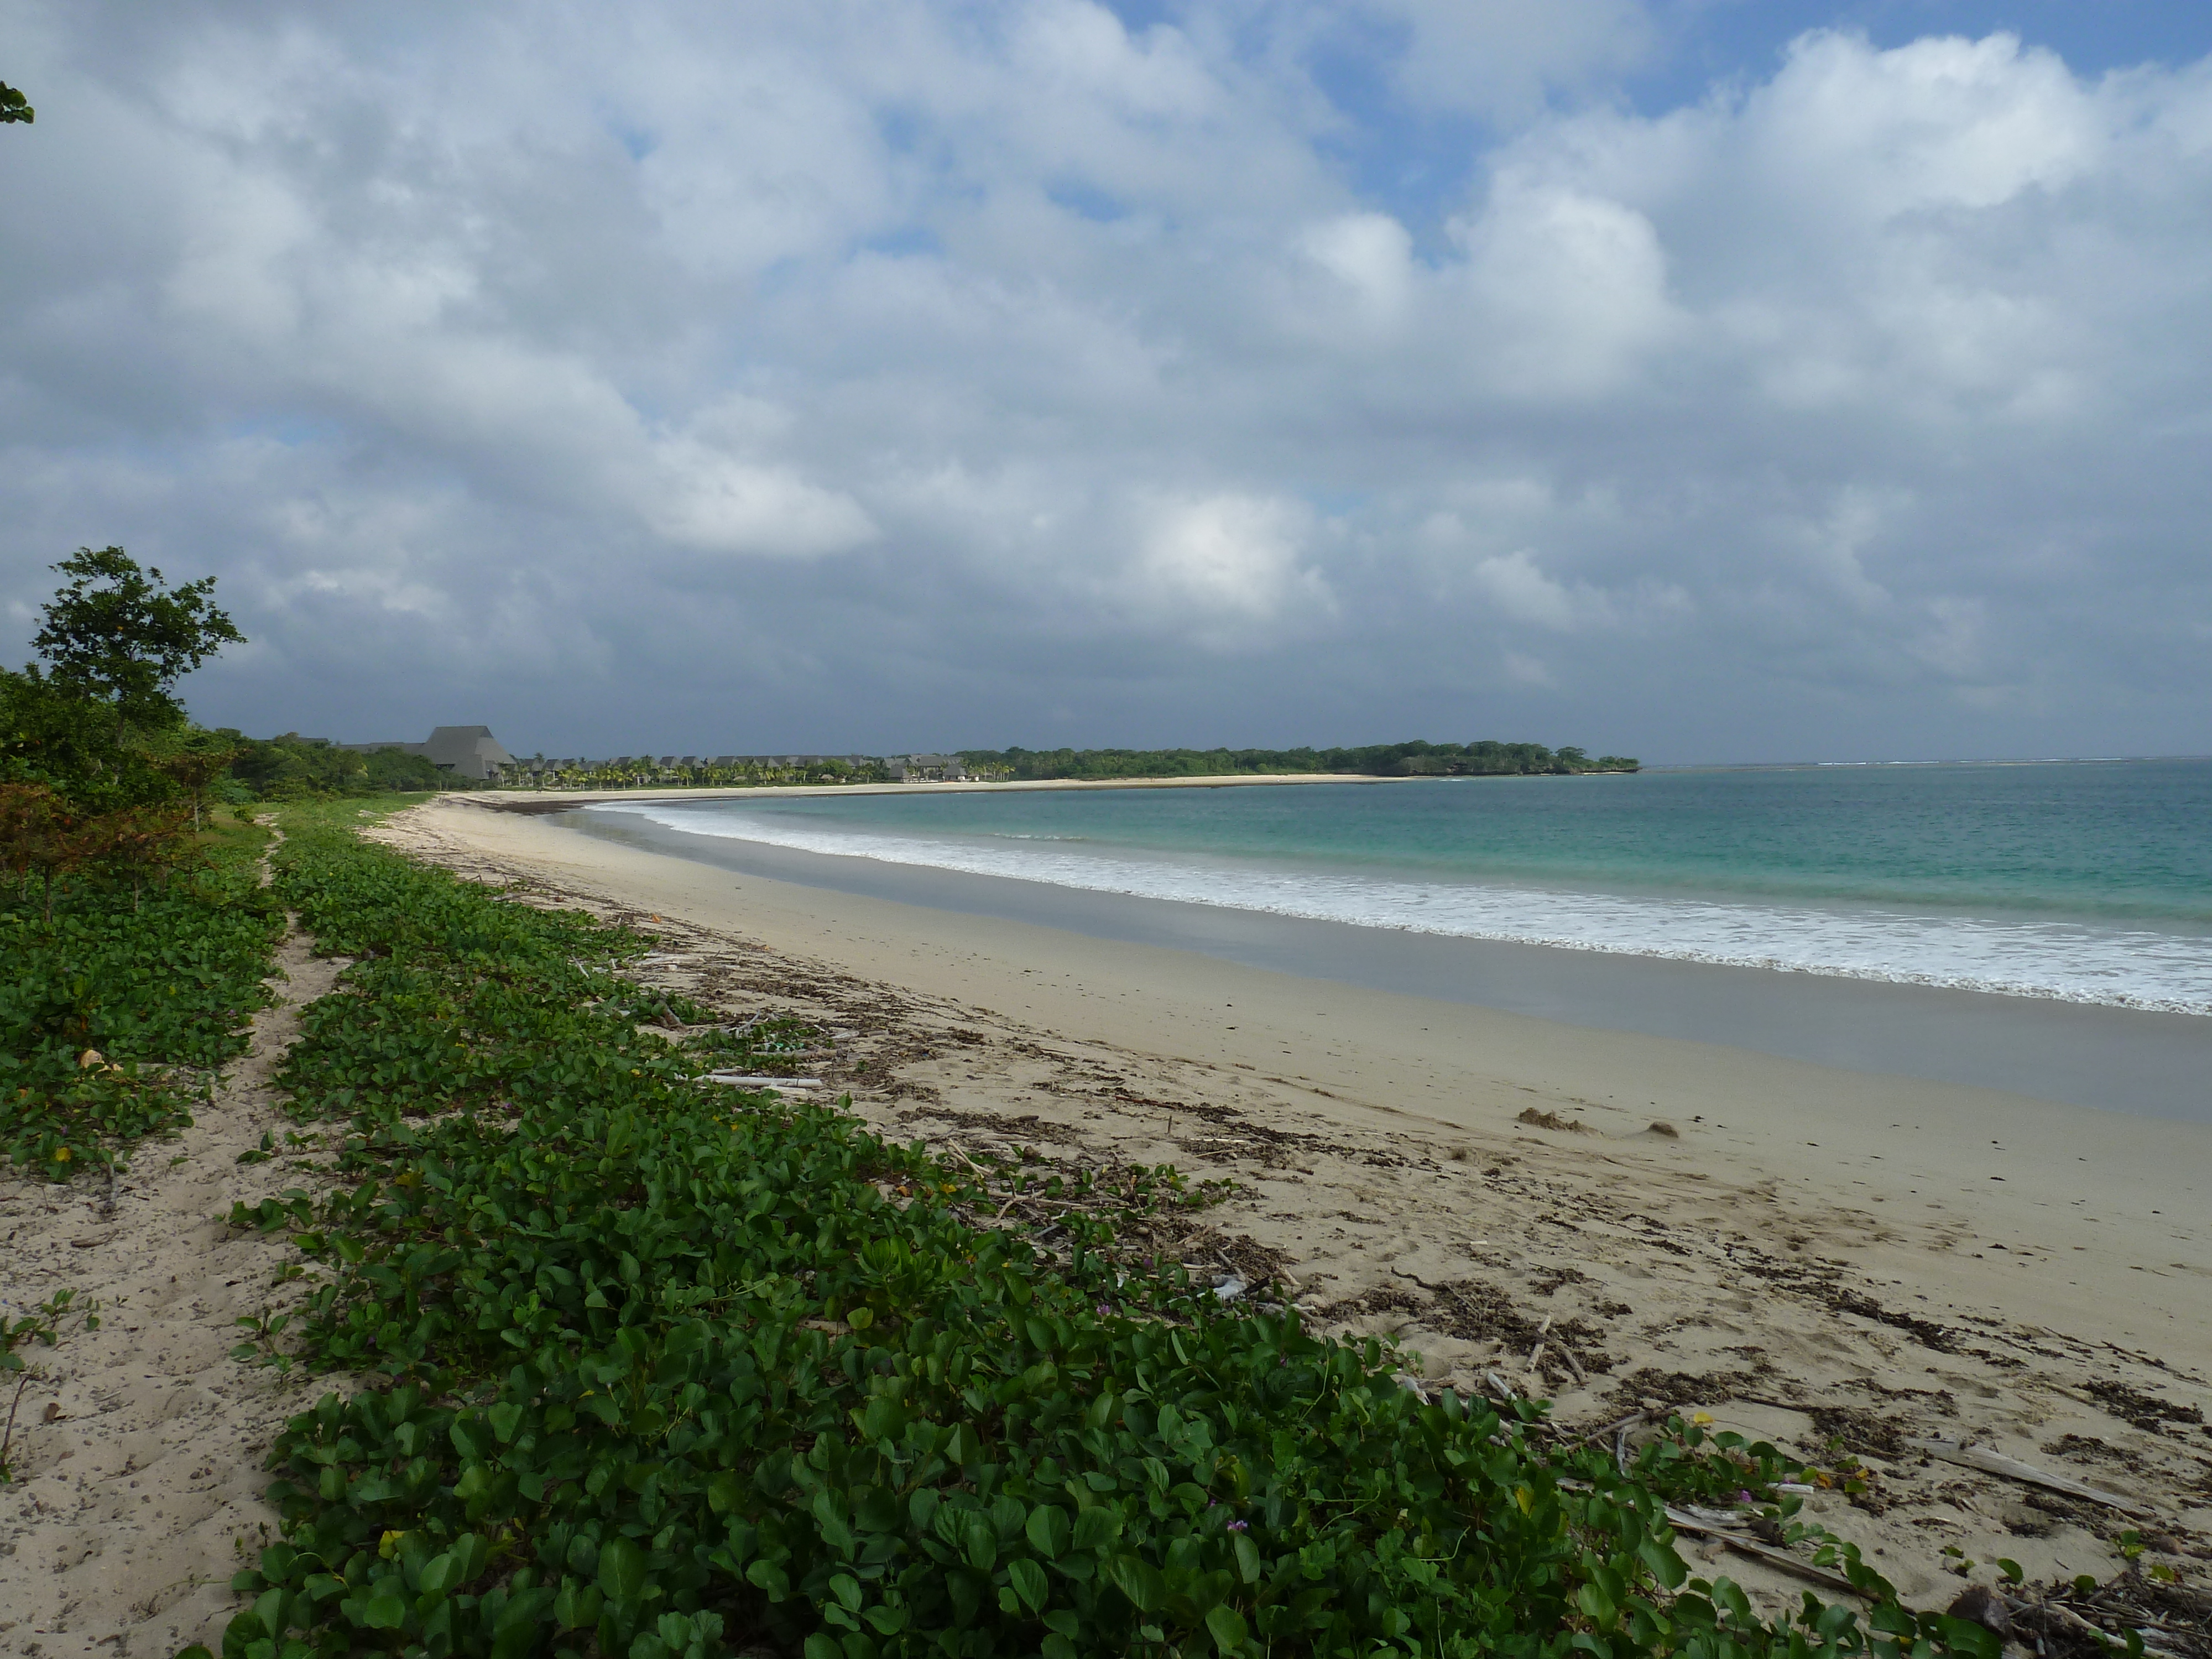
662	1369
159	987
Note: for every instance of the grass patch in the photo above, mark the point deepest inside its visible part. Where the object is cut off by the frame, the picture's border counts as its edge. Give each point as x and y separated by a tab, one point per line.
663	1369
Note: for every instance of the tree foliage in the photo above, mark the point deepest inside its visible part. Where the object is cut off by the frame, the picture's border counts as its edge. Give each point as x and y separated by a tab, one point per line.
120	636
292	768
15	107
1414	758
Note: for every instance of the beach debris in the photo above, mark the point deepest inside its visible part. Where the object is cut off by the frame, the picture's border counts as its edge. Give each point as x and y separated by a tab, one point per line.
1990	1462
1229	1288
1498	1384
1667	1131
1681	1520
1979	1604
1581	1377
743	1080
1634	1420
2140	1410
1538	1119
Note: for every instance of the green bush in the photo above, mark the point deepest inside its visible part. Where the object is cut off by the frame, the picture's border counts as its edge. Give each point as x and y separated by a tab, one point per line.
291	768
665	1368
160	985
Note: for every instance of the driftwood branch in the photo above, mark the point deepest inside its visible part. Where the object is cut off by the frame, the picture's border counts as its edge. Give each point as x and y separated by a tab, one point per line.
1990	1462
1766	1553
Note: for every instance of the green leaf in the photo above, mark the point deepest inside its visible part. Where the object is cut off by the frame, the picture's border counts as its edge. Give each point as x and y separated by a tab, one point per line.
1226	1625
622	1569
1247	1560
1666	1565
1050	1530
979	1544
1139	1581
1098	1527
1028	1580
384	1610
439	1574
578	1607
819	1646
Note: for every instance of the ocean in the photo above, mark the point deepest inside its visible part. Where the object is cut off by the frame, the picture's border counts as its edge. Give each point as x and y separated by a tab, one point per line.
2075	881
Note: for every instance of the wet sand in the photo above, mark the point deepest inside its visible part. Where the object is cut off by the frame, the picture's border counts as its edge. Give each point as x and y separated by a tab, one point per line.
2083	1054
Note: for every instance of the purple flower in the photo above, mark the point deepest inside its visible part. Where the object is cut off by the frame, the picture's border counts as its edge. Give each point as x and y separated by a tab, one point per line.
1240	1526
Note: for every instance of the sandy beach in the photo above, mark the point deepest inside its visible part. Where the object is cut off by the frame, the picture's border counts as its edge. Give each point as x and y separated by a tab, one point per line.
1840	1262
1827	1259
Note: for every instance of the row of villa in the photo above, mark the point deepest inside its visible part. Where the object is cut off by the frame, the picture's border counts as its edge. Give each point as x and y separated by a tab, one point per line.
471	754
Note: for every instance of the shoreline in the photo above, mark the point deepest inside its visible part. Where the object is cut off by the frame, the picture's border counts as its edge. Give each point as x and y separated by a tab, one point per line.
529	801
1806	1253
2138	1061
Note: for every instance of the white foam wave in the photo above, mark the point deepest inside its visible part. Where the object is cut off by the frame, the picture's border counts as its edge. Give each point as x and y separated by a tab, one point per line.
2066	961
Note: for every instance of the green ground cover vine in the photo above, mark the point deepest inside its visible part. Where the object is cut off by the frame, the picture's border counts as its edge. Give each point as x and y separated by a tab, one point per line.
662	1369
159	986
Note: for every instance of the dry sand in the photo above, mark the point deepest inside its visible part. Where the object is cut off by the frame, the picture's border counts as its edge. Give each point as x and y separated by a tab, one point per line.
1813	1256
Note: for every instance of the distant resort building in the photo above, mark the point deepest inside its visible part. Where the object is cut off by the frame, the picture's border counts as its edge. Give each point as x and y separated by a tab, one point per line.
925	769
462	751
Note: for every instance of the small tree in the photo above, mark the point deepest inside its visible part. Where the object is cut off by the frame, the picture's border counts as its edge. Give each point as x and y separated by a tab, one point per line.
196	760
121	635
39	832
136	842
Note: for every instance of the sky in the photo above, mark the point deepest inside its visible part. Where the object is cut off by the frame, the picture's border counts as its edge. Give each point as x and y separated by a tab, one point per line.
1697	380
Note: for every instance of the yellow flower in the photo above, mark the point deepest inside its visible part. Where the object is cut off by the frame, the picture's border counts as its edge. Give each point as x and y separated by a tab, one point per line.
1701	1418
63	1156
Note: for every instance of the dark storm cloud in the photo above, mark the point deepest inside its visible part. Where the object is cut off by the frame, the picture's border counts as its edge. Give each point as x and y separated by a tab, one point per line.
742	377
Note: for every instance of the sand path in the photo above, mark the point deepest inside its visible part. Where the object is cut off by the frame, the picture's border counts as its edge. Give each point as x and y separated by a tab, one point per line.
139	1446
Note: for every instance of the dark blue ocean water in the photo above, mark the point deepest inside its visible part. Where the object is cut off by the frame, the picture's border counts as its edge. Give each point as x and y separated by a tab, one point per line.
2090	882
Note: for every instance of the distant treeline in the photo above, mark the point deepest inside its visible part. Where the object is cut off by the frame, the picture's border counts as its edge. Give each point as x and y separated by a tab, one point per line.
294	767
1380	760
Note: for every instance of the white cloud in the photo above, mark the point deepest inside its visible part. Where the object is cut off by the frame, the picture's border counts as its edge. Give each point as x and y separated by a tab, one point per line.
1526	594
1939	124
712	502
1566	292
1371	257
1522	591
1221	563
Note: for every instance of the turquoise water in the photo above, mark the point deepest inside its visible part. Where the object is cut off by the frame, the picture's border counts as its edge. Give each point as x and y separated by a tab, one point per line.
2086	881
